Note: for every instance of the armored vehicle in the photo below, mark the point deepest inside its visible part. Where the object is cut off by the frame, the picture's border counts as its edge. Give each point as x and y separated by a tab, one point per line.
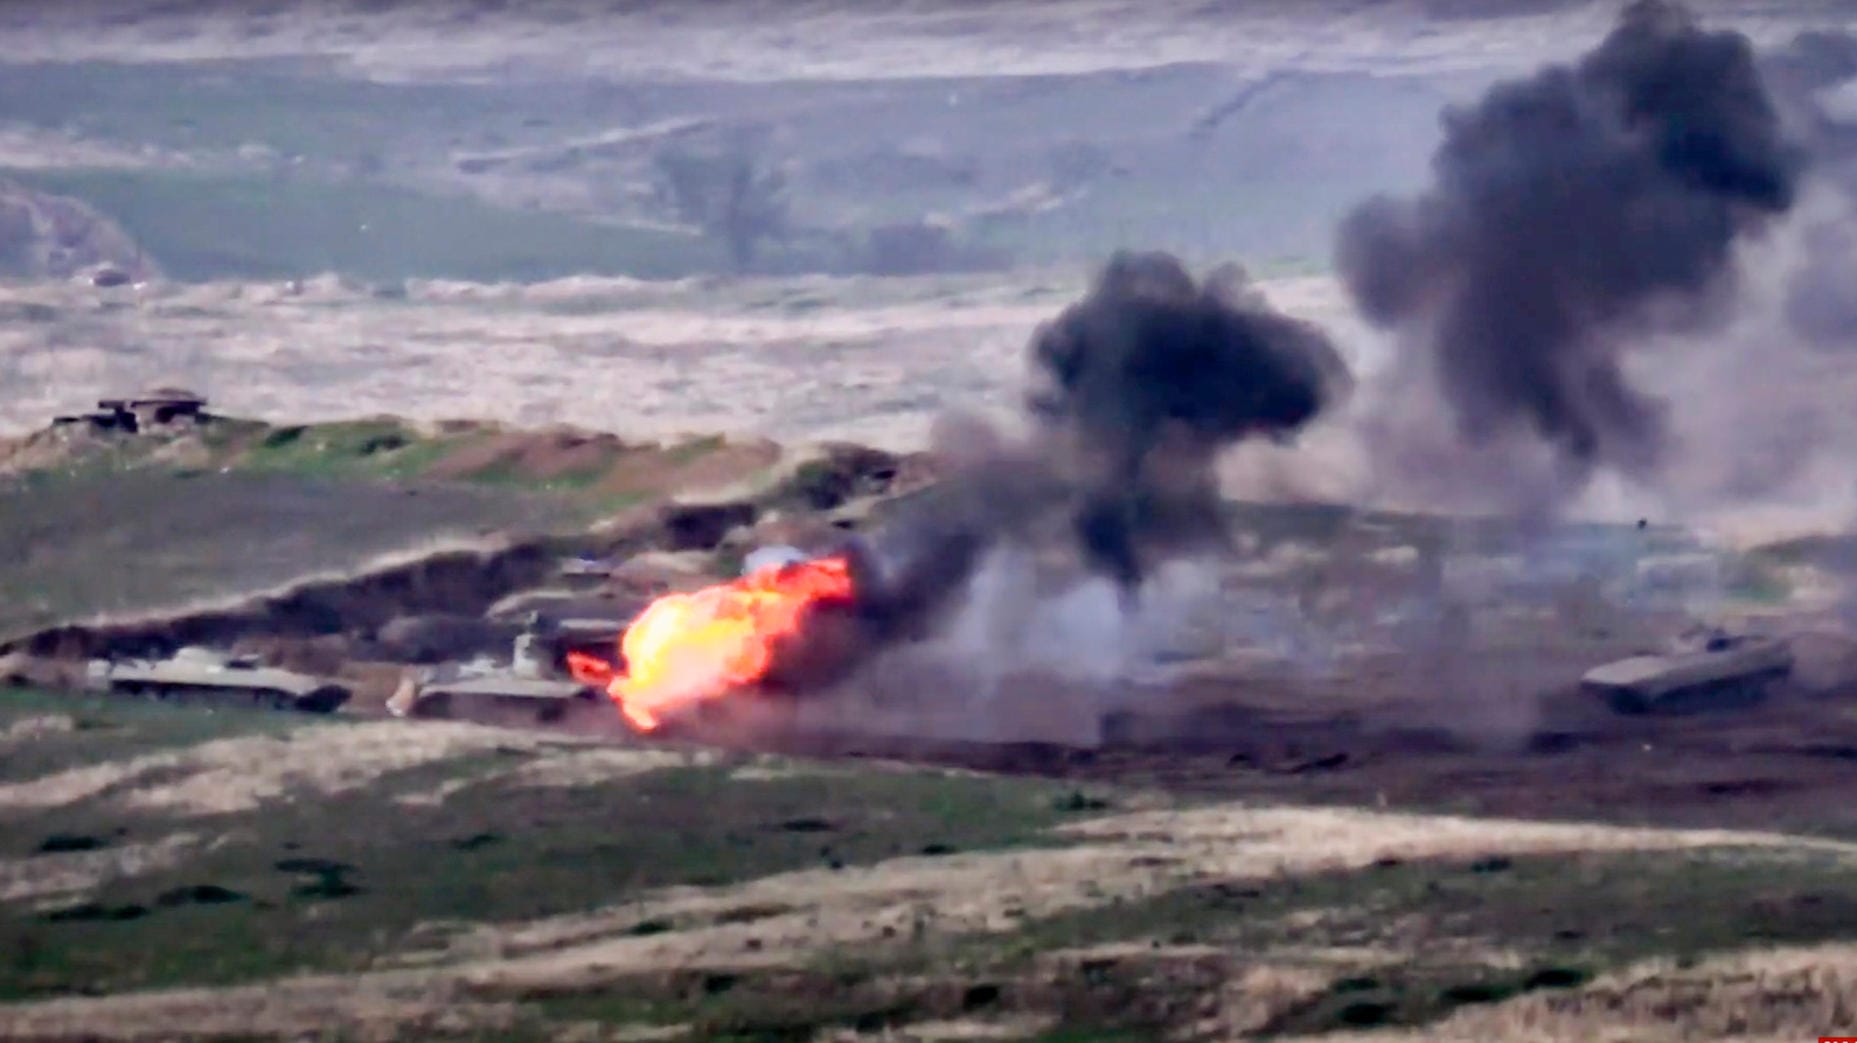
495	699
583	573
1723	671
204	676
547	639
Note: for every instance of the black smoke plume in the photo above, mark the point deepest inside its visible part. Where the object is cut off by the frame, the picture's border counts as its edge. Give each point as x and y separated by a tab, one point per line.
1147	378
1140	385
1571	211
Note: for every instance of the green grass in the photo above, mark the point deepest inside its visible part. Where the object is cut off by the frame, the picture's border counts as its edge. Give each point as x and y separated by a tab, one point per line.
387	449
694	449
107	729
374	449
510	474
378	448
112	528
382	448
338	882
98	540
1571	917
490	853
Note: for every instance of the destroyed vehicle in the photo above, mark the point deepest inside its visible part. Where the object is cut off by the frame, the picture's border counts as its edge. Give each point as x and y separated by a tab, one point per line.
198	675
495	699
584	571
546	641
1722	672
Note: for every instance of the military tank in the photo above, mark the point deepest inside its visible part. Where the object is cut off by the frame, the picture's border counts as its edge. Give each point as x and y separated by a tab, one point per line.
200	675
1722	671
495	698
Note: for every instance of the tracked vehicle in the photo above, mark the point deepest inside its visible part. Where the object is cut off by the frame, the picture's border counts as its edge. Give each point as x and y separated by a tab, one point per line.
532	689
497	699
1722	672
199	675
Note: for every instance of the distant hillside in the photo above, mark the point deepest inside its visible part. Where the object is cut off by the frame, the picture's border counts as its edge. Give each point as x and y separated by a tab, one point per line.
43	235
201	226
265	169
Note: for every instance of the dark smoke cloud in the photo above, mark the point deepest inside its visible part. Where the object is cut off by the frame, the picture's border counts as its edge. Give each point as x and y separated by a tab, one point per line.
1570	211
1148	377
1144	381
1139	386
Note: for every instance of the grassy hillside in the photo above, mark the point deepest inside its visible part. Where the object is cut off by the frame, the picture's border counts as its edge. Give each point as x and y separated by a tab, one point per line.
363	880
269	168
206	226
132	542
102	525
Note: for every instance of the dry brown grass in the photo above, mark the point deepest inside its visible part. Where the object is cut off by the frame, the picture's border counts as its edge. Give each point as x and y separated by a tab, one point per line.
27	729
371	1009
240	774
1760	996
952	1030
787	919
1123	857
48	876
562	768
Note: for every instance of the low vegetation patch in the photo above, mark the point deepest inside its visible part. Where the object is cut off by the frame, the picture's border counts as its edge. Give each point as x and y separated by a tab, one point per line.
334	879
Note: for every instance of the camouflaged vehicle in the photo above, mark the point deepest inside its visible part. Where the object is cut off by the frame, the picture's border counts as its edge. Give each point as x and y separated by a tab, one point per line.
1722	671
495	698
204	676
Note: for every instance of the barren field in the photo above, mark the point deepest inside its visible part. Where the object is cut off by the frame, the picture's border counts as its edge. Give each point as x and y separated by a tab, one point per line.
170	874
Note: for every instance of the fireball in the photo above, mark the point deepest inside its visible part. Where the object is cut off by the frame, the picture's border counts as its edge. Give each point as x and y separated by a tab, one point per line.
684	649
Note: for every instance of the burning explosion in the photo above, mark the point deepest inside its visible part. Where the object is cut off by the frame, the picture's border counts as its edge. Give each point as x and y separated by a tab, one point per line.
1573	213
1143	381
684	649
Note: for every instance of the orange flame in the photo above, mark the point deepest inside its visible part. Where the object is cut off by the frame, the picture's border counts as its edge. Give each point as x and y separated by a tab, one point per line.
685	648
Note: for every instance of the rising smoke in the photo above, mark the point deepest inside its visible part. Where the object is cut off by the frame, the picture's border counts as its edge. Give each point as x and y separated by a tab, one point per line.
1812	80
1583	221
1147	379
1137	388
1572	214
